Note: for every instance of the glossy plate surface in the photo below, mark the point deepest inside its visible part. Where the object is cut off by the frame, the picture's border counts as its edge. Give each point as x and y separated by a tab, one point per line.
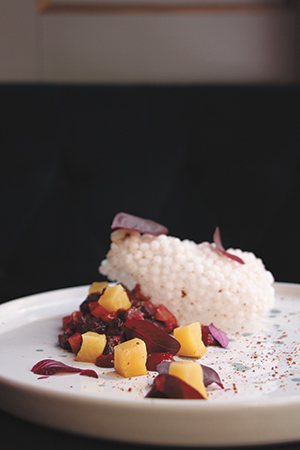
260	371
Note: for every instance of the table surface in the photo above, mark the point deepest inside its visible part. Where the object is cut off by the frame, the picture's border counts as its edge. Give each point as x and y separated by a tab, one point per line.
15	430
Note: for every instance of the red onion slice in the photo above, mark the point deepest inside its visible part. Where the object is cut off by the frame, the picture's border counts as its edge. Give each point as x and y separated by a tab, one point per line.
219	245
134	223
219	335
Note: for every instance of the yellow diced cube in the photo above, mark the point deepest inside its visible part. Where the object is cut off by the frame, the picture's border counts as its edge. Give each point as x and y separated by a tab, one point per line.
98	286
191	372
92	346
114	298
190	339
130	358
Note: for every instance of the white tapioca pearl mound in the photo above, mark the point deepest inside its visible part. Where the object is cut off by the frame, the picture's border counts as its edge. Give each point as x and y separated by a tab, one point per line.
195	281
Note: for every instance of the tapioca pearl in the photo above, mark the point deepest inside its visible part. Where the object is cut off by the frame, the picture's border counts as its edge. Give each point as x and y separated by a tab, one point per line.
128	259
162	238
143	271
155	245
114	247
137	255
176	268
169	294
149	255
180	258
144	261
189	267
199	269
164	280
210	275
204	281
167	261
170	286
144	246
177	248
155	270
133	246
157	260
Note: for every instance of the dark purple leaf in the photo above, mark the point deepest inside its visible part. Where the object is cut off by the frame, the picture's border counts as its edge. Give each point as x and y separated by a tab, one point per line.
219	245
130	222
52	367
207	337
89	373
219	335
156	339
211	376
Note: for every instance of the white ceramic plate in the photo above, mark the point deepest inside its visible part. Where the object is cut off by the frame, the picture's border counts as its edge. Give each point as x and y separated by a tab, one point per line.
261	375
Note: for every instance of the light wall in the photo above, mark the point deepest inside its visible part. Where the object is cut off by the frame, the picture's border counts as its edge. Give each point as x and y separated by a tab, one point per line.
165	47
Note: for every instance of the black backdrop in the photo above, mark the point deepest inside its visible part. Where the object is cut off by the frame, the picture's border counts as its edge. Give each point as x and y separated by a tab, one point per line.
191	157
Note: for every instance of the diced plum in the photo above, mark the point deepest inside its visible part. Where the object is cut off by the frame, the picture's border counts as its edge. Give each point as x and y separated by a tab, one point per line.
75	342
164	315
136	294
92	305
133	313
65	321
76	317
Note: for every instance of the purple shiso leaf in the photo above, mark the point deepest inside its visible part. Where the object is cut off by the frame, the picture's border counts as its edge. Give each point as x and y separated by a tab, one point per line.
52	367
209	374
219	245
89	373
134	223
219	335
156	339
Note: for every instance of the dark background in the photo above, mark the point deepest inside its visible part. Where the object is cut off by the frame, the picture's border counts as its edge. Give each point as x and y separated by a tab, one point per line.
190	157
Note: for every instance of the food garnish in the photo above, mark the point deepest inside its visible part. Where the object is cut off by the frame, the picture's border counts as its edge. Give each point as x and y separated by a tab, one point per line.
210	375
219	245
156	339
218	335
195	282
133	341
134	223
132	326
49	367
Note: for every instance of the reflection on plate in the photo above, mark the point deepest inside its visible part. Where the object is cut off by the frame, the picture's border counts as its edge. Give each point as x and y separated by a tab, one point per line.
260	372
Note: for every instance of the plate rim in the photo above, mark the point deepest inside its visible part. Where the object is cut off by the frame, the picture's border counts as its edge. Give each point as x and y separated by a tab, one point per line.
150	405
